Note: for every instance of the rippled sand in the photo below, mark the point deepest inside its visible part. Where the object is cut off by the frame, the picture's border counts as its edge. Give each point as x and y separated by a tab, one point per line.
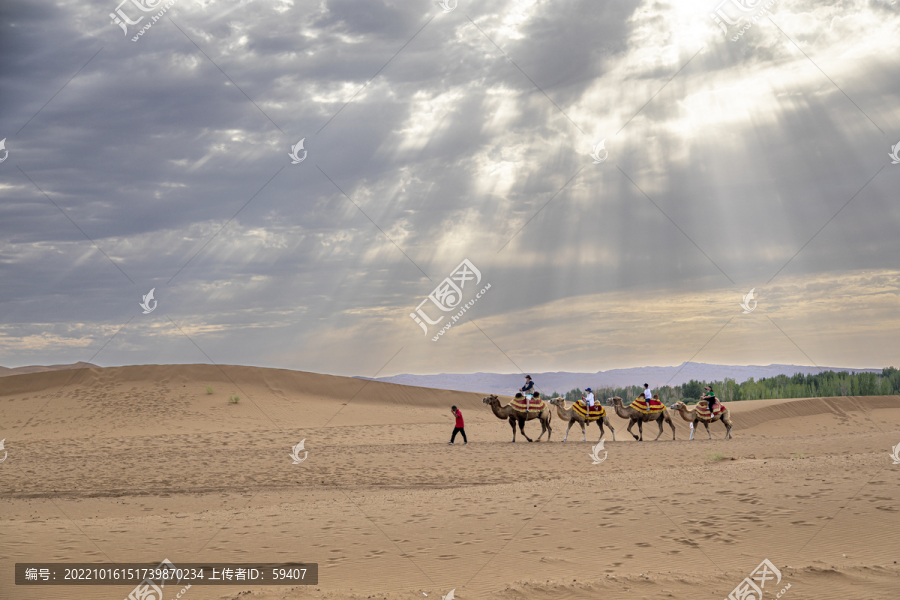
140	464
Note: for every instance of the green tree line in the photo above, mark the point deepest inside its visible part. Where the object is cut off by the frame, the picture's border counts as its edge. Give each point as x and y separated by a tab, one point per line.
799	385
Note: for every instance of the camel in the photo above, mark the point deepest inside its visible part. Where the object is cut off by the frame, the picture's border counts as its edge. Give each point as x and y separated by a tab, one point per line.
636	416
693	418
507	412
569	414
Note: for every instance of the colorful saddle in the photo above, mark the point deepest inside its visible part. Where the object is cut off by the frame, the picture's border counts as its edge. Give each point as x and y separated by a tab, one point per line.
655	406
528	404
595	413
703	410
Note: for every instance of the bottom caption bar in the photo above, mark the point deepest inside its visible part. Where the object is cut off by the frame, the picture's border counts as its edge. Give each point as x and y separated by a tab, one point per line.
152	577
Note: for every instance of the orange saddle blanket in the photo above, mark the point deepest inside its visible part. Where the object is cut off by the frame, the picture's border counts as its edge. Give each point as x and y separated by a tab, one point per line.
595	413
655	406
523	404
704	413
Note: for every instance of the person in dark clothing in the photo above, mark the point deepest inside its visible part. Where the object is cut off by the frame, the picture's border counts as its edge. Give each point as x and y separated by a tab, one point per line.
460	426
710	397
529	385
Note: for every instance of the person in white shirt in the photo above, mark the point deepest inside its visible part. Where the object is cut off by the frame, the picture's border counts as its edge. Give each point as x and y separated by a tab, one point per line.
589	400
647	394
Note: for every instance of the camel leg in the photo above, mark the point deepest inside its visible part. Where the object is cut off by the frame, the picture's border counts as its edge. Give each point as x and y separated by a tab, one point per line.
512	423
546	425
641	430
522	429
660	423
672	425
630	425
608	424
543	430
583	431
705	424
728	429
567	430
693	429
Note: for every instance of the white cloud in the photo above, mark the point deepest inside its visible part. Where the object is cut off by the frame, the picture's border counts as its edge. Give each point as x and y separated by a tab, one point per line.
746	154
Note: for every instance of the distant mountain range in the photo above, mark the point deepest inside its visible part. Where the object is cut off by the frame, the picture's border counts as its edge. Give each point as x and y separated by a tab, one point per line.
508	383
501	383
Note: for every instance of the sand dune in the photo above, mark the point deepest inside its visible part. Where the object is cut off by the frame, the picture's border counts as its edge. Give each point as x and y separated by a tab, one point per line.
141	463
43	368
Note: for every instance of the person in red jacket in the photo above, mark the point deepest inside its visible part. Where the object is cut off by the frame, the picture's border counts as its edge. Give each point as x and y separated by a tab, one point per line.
460	426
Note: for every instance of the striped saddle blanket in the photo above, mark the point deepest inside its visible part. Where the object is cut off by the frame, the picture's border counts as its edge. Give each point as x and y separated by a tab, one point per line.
529	404
655	406
595	413
704	413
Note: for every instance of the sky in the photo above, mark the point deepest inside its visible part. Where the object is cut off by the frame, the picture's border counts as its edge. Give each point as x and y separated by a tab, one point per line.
620	174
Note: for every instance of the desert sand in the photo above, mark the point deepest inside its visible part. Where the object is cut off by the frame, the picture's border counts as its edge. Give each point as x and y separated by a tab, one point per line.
141	463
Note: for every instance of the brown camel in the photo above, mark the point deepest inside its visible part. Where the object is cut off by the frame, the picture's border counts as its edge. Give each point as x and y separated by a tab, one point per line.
692	417
569	414
507	412
636	416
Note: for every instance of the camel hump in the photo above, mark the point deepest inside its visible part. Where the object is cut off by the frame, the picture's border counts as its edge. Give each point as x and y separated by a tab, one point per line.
528	405
589	413
648	406
704	412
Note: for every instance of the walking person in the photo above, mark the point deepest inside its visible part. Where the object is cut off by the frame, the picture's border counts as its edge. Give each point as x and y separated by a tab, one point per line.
460	426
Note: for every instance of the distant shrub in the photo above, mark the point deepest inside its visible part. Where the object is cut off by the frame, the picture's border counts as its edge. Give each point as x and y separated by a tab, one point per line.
209	389
233	399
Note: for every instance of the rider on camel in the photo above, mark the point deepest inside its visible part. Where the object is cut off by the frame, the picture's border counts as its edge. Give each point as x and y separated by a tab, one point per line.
711	399
528	388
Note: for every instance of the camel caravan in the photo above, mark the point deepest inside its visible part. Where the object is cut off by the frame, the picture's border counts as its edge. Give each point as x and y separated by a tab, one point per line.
528	404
